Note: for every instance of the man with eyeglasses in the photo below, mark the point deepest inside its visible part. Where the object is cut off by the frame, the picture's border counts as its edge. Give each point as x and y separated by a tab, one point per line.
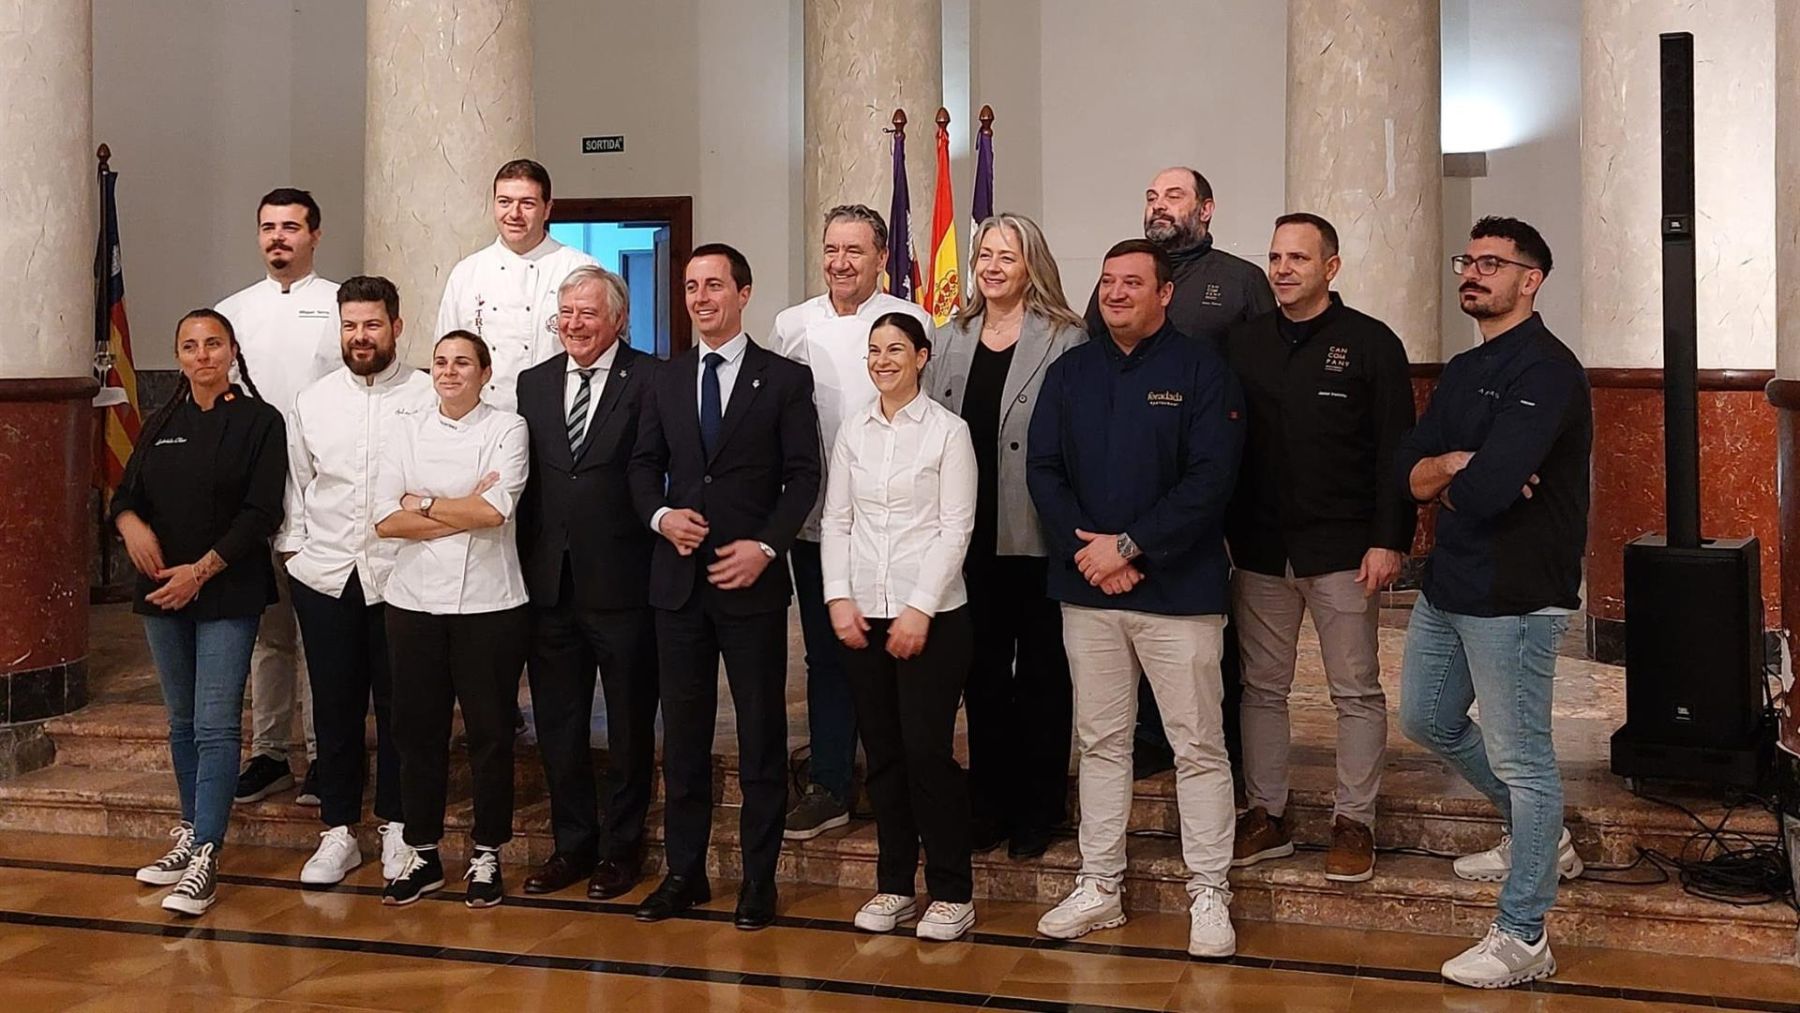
1503	449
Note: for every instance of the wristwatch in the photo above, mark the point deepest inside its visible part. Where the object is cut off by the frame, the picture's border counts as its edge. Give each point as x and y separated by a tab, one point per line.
767	549
425	504
1128	549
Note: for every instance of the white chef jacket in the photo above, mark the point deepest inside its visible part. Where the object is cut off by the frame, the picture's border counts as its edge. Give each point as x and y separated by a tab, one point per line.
899	510
602	368
836	349
334	436
510	301
433	455
289	339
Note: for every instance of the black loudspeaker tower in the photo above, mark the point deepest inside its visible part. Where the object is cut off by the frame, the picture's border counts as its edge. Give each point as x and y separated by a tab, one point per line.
1694	678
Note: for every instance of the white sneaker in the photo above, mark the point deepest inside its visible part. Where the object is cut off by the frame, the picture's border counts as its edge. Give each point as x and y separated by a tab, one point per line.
1209	925
1501	960
167	870
945	921
394	851
1493	865
337	857
884	912
1092	906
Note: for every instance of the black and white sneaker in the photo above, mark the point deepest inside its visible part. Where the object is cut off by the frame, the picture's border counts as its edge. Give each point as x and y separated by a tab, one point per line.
198	887
263	776
308	795
486	887
167	870
422	873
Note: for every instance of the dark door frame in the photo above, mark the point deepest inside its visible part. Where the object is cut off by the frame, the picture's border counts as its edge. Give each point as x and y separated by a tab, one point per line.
677	211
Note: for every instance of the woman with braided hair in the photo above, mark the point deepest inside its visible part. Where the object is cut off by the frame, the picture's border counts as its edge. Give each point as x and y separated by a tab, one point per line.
199	501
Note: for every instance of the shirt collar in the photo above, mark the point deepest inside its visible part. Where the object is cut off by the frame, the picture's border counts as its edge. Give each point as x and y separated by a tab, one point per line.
830	308
732	350
604	363
299	283
481	411
913	410
538	252
395	373
1529	325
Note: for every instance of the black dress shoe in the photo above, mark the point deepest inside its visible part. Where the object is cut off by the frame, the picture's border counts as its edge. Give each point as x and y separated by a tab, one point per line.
755	906
985	836
614	876
1029	843
675	895
559	873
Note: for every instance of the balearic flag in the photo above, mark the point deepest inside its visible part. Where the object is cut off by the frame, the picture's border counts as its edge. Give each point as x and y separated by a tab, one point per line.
945	293
902	265
982	207
113	334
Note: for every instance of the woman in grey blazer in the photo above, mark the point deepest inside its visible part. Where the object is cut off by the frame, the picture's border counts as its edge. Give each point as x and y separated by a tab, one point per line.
991	360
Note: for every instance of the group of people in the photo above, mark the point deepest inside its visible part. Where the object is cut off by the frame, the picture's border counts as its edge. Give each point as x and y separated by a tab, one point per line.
1078	528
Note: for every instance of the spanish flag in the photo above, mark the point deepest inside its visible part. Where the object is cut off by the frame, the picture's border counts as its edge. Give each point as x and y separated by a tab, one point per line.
120	426
944	295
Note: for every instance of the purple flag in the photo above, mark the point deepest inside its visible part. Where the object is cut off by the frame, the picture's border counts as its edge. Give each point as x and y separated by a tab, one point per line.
902	267
982	207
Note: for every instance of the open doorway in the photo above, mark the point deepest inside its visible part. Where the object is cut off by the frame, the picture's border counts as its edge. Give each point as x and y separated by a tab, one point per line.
646	241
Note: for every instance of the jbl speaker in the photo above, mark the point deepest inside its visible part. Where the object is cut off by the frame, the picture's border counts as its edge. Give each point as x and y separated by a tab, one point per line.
1694	655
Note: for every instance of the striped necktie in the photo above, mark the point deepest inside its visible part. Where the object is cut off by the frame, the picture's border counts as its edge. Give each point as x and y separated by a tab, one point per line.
579	412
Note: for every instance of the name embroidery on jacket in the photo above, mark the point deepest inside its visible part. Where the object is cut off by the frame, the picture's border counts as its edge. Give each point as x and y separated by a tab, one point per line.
1171	398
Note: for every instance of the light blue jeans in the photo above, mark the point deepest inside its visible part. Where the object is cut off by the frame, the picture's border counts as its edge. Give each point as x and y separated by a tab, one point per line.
203	665
1508	665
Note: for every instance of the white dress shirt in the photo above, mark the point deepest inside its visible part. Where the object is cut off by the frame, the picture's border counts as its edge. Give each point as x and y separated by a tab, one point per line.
334	436
289	339
836	349
433	455
733	351
602	368
899	510
510	301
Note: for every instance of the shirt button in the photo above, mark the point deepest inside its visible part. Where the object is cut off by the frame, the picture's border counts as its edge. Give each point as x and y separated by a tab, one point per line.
707	480
1021	399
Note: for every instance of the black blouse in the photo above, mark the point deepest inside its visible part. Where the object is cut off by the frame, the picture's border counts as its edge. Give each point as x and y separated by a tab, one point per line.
981	410
211	480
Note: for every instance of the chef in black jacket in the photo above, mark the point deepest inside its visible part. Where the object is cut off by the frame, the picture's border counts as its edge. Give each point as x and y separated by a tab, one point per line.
199	500
1316	526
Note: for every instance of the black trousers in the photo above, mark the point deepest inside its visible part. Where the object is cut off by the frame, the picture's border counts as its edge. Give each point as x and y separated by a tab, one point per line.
567	643
346	664
1019	698
689	642
906	711
441	662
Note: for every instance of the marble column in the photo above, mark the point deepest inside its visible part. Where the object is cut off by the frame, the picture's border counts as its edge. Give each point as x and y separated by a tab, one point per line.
449	102
864	59
47	226
1363	151
1784	390
1621	267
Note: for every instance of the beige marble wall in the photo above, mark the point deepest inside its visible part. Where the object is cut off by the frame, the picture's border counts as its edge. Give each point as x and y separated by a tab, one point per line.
1787	189
47	188
449	101
1621	183
864	58
1363	151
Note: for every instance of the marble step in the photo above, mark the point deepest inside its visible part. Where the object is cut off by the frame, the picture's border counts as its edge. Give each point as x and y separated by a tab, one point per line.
1409	892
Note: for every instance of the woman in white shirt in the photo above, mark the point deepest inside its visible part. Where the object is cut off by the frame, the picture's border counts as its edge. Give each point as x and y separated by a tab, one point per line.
456	612
899	509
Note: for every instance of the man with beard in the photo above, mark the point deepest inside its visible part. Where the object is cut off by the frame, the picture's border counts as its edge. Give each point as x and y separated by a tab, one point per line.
1503	447
1213	292
287	327
338	566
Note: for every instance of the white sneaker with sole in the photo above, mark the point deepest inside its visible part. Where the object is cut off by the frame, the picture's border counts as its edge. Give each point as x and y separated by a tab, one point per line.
1091	907
1501	960
337	857
884	912
945	921
167	870
198	887
394	851
1209	926
1494	864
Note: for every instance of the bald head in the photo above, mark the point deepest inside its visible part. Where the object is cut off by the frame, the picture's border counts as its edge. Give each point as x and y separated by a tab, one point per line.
1178	208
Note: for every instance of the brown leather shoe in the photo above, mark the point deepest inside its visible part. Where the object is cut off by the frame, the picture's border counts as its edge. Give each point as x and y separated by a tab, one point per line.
559	873
1352	855
1260	837
613	876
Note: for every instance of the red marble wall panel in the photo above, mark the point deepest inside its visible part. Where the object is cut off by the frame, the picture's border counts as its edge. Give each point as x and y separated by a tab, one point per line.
1422	388
1738	487
46	466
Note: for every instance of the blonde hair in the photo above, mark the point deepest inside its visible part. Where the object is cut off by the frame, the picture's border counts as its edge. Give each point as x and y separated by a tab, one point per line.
1043	281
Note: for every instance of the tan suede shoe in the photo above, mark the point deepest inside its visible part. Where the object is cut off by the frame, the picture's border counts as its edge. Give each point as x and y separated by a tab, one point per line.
1352	855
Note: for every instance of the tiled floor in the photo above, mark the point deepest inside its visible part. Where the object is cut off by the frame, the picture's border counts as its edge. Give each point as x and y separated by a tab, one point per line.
76	933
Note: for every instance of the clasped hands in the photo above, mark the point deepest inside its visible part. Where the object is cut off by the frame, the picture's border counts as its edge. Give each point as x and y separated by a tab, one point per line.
905	637
737	564
181	584
1099	561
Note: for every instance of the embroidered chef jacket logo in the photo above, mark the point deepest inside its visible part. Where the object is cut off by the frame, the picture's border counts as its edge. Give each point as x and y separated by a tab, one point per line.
167	440
315	314
1213	295
1337	359
1164	397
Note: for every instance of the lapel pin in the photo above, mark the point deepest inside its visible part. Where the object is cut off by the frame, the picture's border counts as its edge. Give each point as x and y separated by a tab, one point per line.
623	373
754	384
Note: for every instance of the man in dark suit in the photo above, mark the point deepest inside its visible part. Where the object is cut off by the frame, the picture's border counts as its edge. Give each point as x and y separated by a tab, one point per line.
726	470
587	564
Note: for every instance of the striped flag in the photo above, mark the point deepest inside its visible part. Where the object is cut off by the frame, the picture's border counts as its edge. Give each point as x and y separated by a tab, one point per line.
111	333
945	293
902	266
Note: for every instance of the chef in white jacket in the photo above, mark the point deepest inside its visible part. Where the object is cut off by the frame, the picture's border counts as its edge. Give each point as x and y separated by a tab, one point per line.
506	292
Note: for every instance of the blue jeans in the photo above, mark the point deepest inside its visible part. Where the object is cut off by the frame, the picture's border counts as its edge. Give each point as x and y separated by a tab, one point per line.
203	665
1508	664
830	710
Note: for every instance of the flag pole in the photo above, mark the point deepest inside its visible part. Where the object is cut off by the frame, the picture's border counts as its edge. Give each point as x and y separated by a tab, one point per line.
103	590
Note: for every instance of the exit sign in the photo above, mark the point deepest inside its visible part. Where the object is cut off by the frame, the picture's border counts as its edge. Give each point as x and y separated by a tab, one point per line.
603	145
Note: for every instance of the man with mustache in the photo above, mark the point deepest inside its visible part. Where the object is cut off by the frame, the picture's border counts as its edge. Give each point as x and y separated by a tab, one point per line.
1213	292
1503	449
338	566
506	293
287	328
